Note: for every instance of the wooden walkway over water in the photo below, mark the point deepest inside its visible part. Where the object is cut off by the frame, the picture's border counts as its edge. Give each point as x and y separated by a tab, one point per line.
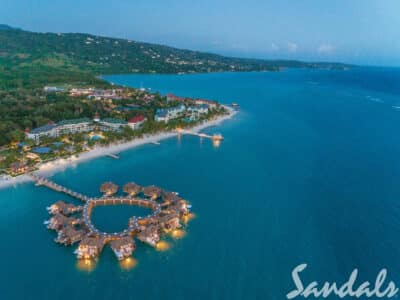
214	137
133	224
58	188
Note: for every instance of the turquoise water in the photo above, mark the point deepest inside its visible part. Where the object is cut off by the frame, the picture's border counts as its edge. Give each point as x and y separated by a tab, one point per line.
308	173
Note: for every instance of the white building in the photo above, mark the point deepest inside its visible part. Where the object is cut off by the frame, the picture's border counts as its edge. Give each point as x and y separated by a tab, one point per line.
62	128
112	124
166	114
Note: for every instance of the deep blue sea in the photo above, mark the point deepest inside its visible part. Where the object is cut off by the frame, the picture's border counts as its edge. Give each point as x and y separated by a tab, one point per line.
309	172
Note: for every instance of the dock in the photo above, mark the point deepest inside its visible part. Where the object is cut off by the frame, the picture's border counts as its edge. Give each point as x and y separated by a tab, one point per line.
115	156
214	137
41	181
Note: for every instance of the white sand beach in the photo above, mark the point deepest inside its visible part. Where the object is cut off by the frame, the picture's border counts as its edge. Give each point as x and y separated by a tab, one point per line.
50	168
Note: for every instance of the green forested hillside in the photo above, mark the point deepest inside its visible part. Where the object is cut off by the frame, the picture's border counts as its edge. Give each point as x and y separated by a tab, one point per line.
30	60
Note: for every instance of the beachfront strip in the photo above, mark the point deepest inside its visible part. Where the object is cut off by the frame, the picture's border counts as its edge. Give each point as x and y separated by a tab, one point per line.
85	125
103	117
73	224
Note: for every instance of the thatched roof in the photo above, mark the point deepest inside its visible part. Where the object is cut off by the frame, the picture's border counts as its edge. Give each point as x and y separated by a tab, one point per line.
132	188
92	242
109	188
152	191
122	242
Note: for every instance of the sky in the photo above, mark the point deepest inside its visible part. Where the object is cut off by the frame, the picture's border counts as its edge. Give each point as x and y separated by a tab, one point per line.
353	31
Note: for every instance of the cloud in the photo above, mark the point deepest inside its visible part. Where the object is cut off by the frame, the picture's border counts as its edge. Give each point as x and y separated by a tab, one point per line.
292	47
325	49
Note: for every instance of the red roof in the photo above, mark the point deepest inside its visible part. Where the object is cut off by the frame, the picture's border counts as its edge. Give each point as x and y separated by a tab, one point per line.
137	119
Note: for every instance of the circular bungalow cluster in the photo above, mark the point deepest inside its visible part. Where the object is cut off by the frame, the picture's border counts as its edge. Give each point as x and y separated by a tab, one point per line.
73	223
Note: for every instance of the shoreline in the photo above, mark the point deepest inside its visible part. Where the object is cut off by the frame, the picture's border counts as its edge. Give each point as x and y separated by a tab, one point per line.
55	166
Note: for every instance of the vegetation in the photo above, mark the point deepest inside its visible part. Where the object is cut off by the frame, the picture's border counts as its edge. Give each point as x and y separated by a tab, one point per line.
29	61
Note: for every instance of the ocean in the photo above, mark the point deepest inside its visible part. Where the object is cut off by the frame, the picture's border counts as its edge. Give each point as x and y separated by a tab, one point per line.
308	172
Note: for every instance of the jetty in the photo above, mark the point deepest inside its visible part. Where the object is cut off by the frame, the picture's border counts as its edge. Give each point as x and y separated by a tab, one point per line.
115	156
41	181
214	137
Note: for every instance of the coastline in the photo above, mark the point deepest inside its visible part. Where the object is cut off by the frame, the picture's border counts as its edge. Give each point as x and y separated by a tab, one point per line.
50	168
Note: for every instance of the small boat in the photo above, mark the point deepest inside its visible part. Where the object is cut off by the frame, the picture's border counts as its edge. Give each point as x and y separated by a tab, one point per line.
235	105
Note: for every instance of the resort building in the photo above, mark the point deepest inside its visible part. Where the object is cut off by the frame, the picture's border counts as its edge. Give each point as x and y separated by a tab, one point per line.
75	92
161	115
64	127
194	112
172	97
18	167
46	130
136	122
166	114
209	103
105	94
74	126
53	89
112	124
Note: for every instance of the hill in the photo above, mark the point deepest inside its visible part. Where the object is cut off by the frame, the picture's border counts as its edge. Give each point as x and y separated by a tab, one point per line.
29	54
29	61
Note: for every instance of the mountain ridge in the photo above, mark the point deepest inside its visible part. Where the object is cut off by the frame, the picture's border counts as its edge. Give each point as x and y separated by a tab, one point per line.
106	55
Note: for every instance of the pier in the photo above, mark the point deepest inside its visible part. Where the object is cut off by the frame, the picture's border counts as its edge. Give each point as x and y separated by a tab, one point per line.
133	226
214	137
115	156
58	188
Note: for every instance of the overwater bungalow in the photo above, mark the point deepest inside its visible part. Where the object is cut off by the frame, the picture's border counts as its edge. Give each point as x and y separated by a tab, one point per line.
132	189
57	222
152	191
170	222
169	198
89	247
69	235
108	188
123	247
181	207
150	235
63	208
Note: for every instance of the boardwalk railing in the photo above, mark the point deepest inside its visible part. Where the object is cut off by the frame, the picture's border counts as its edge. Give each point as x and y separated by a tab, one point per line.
201	135
58	188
